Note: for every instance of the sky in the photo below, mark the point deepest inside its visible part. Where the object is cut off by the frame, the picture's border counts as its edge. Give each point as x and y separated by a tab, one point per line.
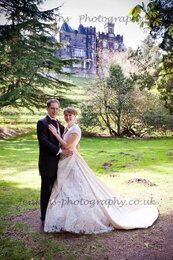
97	13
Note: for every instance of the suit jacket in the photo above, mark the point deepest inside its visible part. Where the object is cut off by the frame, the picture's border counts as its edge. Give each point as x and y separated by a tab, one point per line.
48	147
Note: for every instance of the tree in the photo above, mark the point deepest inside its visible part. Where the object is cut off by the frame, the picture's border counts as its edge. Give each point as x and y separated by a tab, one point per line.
147	58
95	113
145	114
156	16
116	105
121	86
29	65
165	86
107	101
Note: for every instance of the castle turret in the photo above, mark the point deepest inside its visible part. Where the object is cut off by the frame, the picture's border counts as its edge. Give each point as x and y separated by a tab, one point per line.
109	28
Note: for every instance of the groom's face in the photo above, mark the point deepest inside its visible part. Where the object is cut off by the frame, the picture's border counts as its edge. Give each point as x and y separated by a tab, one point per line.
53	109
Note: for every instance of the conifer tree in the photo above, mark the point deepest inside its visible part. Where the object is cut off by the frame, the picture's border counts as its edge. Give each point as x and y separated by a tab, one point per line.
29	66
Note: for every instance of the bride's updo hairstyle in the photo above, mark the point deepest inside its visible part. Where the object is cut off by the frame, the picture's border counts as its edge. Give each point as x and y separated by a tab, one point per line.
70	110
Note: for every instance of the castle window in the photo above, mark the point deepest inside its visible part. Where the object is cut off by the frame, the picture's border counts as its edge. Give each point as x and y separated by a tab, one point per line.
100	44
110	45
111	35
104	44
79	53
87	65
67	38
115	45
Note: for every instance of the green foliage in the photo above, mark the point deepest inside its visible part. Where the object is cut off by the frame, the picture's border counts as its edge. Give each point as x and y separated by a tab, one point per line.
29	65
165	86
117	106
165	82
147	58
107	101
121	85
118	81
147	114
89	122
156	16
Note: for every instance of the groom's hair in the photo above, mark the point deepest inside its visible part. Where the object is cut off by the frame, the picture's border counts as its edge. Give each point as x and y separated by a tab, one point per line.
50	101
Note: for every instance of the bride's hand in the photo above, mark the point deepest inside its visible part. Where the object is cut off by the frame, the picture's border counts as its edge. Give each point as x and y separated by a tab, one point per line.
53	130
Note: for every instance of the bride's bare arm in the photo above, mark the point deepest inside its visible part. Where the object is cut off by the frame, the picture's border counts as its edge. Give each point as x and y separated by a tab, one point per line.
64	144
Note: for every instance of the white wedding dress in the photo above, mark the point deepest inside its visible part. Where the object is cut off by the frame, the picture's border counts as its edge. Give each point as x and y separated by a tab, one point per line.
81	203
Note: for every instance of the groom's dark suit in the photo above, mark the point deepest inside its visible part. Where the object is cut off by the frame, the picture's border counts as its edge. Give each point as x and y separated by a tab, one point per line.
48	159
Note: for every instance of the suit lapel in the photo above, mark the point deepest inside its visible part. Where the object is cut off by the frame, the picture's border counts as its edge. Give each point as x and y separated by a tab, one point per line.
48	120
61	127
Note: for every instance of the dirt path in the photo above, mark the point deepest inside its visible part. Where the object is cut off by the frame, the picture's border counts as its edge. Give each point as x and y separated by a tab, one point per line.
155	242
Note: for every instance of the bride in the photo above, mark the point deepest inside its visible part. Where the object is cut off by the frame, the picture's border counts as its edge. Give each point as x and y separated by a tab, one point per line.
80	202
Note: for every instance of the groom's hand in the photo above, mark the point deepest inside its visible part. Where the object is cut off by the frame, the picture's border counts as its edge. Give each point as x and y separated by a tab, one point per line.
66	152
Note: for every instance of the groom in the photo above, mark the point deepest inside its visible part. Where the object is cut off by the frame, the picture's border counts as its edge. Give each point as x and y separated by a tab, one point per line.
49	149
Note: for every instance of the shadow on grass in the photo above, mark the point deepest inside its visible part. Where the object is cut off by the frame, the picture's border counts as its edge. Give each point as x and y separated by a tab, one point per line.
18	154
14	200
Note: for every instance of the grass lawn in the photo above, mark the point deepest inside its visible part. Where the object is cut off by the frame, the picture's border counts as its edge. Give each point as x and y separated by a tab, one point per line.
115	161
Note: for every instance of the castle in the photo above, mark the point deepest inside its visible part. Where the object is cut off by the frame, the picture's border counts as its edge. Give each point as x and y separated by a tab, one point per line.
87	45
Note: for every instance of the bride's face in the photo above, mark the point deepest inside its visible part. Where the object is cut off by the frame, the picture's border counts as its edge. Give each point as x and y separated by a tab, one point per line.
69	118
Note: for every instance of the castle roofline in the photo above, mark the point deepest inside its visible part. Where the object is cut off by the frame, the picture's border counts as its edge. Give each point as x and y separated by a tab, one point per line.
65	27
81	29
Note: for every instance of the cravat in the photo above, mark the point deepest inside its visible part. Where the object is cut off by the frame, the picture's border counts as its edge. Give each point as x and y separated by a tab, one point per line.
54	123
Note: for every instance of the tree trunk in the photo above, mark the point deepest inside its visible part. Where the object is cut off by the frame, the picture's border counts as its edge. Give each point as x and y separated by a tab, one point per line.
119	123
